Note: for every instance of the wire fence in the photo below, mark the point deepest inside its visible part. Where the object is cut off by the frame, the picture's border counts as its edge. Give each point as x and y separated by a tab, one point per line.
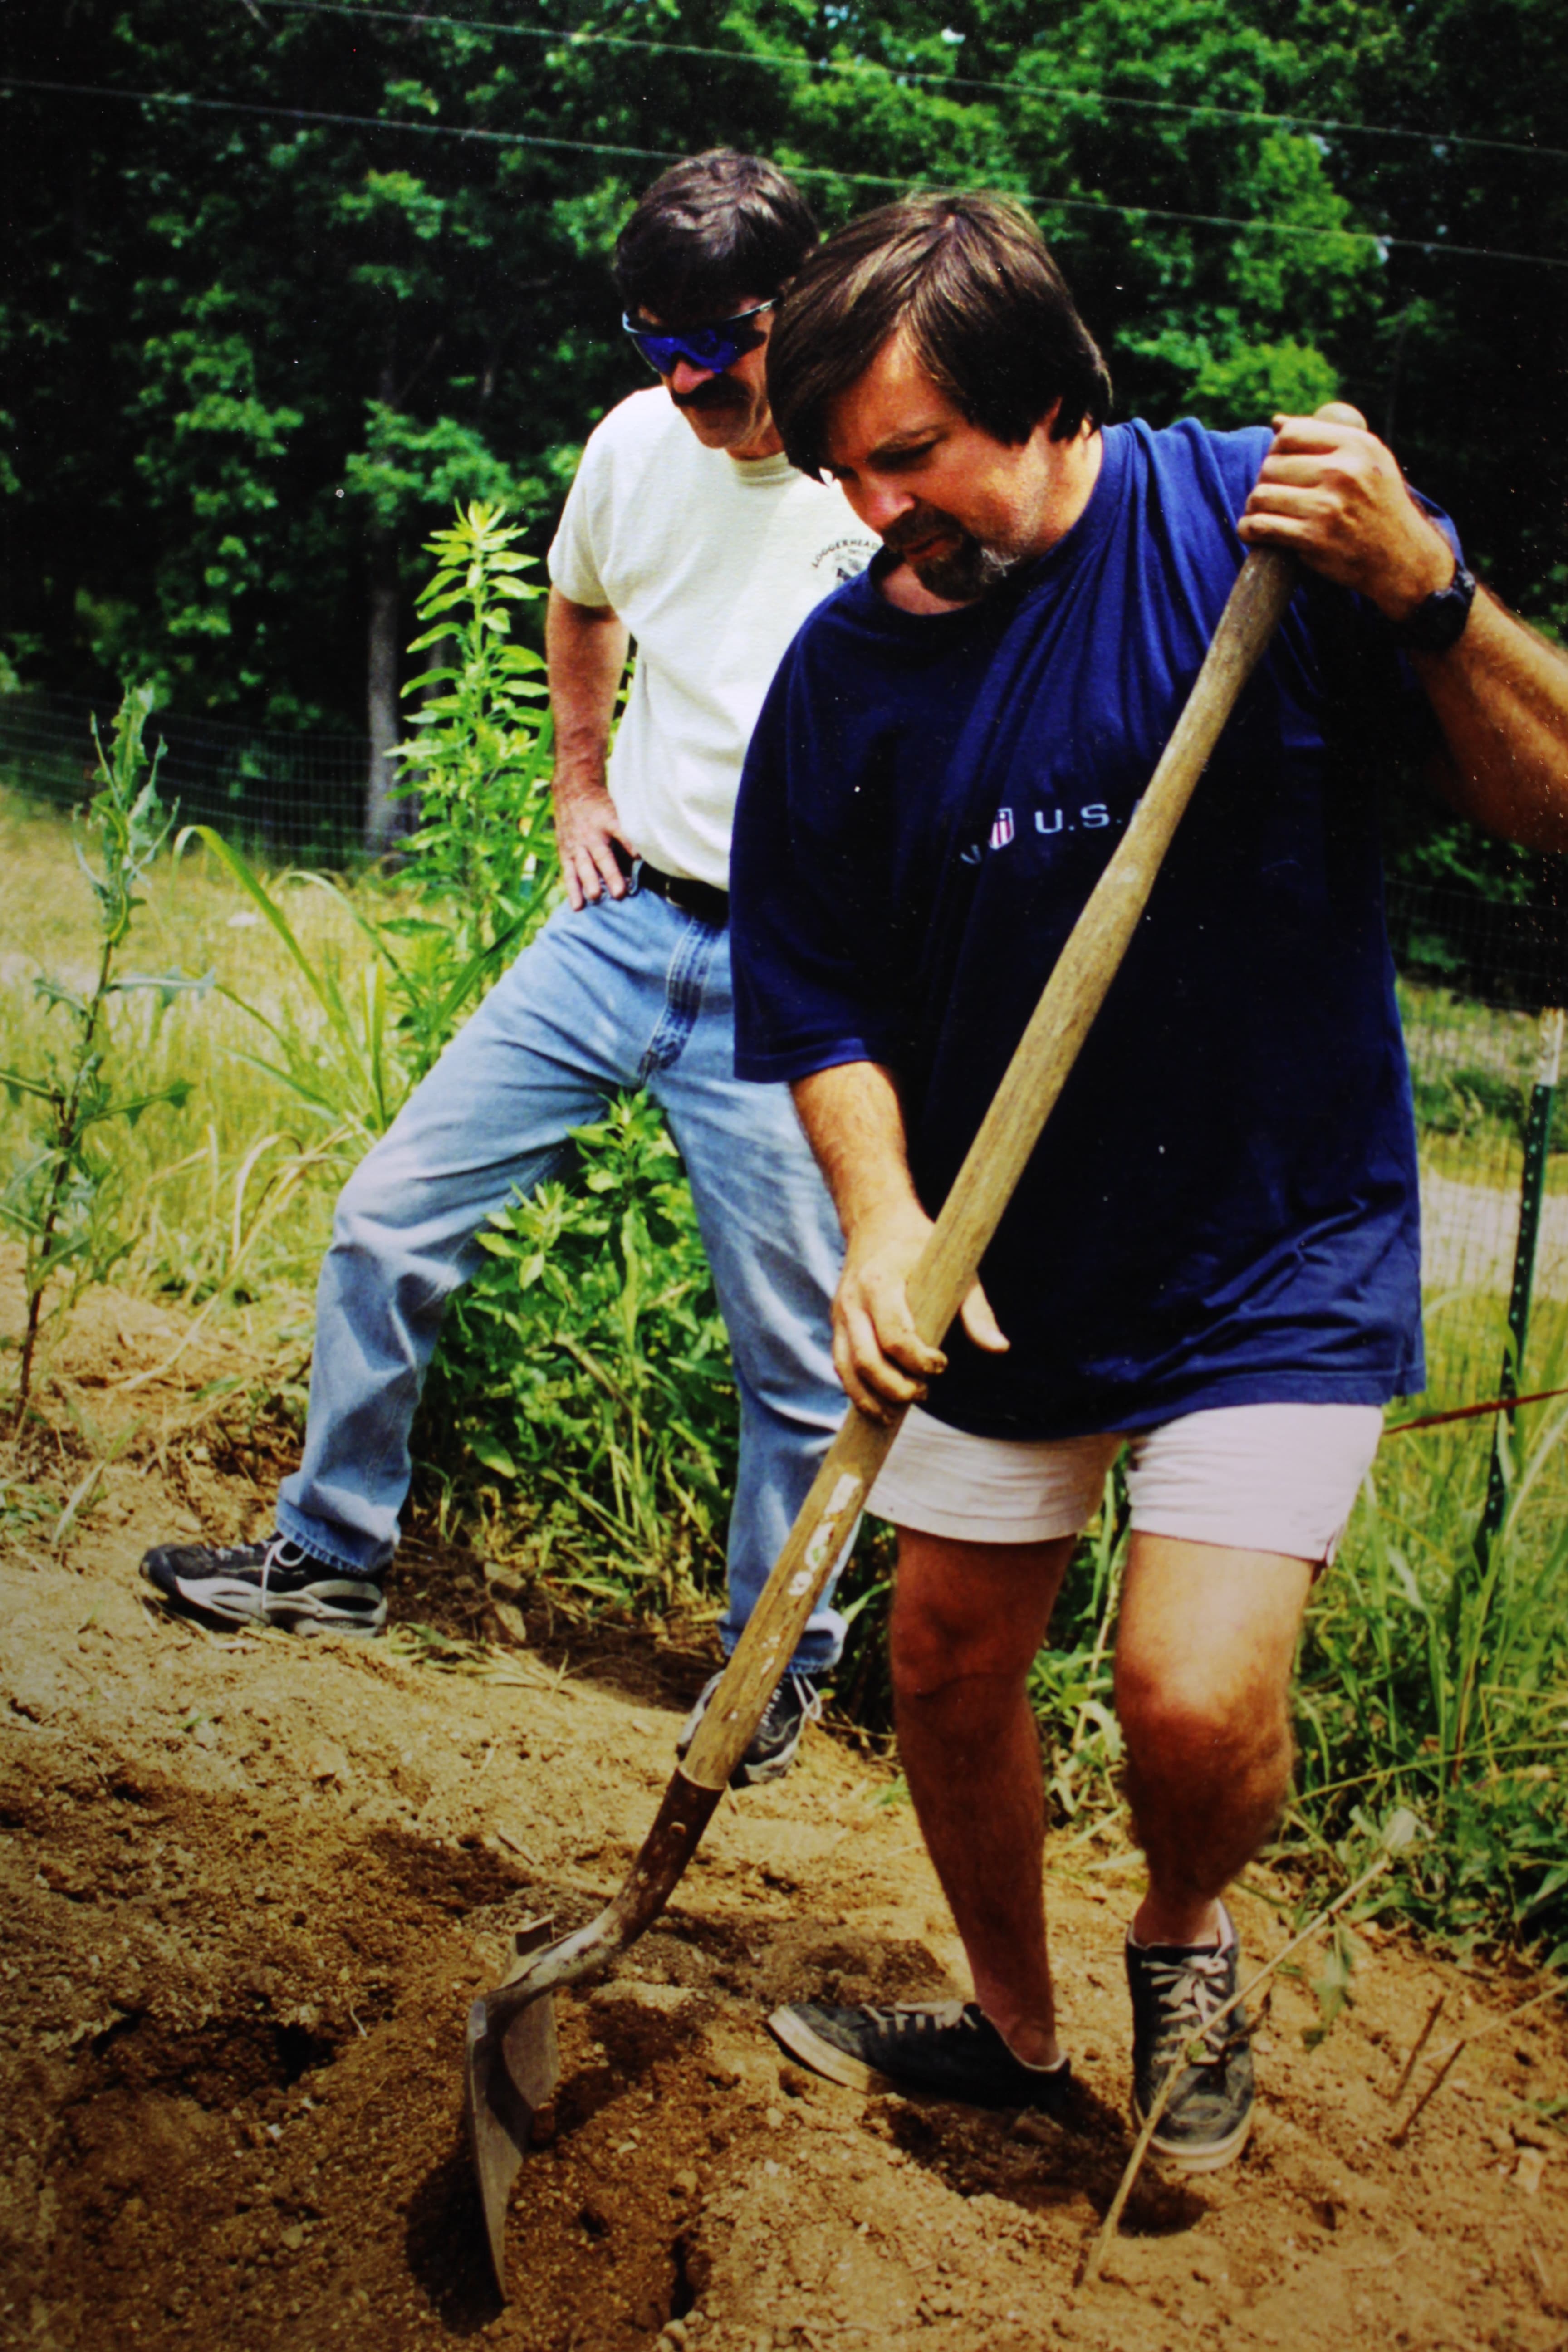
1478	984
1475	980
292	797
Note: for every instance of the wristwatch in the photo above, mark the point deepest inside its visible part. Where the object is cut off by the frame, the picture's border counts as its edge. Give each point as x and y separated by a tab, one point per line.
1439	622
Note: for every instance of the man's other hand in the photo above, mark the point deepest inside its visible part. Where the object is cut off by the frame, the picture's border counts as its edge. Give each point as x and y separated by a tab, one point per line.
1331	493
586	833
878	1353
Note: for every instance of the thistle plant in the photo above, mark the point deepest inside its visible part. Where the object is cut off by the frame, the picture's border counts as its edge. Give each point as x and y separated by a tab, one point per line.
480	867
61	1199
482	859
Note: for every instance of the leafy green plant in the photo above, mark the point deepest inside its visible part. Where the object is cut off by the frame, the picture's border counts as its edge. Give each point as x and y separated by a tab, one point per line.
1437	1679
588	1362
482	863
479	870
61	1199
1070	1681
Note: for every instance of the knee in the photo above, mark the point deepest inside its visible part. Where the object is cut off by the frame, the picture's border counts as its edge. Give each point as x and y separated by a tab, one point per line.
367	1207
1180	1719
934	1644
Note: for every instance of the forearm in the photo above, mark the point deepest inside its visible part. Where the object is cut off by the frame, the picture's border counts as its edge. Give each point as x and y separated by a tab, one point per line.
585	654
1500	696
1331	493
854	1121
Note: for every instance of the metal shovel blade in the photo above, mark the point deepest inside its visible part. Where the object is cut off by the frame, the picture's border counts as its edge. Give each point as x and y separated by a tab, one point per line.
507	2078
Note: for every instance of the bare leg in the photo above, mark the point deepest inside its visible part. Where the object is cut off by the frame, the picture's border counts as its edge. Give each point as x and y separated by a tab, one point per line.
1204	1654
968	1619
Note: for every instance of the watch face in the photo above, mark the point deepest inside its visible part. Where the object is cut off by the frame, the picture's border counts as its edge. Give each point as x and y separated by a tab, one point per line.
1439	622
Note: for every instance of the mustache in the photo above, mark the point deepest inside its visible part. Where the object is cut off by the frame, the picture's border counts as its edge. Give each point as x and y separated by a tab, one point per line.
716	393
921	525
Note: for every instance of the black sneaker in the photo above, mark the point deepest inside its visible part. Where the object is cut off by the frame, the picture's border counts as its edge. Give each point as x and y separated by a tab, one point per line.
1177	1989
793	1705
274	1582
936	2048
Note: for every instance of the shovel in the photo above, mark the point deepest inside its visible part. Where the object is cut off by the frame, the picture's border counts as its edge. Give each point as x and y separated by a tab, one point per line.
511	2064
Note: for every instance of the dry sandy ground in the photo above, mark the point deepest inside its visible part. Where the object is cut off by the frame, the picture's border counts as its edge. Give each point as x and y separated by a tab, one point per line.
250	1886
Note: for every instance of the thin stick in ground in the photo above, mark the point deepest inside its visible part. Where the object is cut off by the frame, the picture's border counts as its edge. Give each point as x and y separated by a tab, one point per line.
1398	2137
1108	2227
1433	2015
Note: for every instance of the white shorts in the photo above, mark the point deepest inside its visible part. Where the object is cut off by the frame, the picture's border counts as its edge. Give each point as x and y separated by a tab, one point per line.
1254	1477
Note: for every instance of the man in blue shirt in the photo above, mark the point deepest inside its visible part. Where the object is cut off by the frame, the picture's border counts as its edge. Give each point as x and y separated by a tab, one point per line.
1214	1255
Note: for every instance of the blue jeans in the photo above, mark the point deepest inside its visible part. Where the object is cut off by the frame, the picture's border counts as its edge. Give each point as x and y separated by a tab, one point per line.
629	992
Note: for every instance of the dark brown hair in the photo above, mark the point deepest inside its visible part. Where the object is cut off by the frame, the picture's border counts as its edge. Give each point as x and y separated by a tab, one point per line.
969	280
711	231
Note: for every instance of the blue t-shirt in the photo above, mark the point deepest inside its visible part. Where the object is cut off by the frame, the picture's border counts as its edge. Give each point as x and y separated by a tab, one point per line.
1222	1209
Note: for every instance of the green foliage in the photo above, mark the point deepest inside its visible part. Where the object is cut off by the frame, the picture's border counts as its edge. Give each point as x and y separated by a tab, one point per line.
1436	1680
257	356
482	863
1464	1101
589	1362
61	1199
1070	1681
479	869
344	1069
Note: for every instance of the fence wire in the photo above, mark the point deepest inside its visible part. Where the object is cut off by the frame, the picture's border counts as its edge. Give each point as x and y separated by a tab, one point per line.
293	798
1475	980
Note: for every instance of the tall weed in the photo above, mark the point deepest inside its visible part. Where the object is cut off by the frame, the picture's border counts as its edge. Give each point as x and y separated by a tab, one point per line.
1436	1677
586	1365
476	876
62	1197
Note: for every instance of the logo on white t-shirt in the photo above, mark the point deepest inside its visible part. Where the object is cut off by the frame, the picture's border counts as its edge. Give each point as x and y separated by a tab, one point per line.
848	557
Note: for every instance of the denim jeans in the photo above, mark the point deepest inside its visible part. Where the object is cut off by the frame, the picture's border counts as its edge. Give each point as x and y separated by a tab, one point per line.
628	992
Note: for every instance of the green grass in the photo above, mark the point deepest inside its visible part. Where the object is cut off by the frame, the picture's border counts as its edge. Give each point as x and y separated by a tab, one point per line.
585	1421
234	1192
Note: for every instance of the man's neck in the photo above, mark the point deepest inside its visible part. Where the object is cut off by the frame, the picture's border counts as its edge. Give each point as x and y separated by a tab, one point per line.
765	444
1073	469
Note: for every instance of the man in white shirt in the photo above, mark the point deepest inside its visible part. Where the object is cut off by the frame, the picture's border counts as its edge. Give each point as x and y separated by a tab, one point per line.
687	530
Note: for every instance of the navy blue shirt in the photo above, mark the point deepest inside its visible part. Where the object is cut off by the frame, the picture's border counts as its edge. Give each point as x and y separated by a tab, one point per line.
1223	1208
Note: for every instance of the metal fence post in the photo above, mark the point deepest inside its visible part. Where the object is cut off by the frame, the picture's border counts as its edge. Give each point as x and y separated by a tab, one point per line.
1532	1185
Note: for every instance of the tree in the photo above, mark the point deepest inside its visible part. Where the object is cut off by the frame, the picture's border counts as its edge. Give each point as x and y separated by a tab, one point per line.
253	356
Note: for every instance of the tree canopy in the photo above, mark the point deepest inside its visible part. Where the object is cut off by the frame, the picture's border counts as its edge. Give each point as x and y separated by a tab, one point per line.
288	277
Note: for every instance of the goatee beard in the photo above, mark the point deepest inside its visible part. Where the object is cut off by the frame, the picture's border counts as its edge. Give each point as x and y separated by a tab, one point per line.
965	574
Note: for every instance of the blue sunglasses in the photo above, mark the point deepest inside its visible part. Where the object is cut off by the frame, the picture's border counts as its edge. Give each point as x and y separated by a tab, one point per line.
713	348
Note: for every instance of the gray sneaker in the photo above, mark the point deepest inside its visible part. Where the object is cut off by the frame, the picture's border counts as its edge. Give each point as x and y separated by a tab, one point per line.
1177	1989
793	1705
930	2049
274	1582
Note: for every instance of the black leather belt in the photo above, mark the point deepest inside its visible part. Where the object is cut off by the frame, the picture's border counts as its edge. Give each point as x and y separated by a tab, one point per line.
700	898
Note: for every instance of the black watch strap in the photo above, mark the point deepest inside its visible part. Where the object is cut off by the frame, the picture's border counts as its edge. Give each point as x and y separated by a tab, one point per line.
1439	622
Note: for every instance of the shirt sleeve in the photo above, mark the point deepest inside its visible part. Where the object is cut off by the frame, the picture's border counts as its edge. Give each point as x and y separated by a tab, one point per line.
574	564
808	918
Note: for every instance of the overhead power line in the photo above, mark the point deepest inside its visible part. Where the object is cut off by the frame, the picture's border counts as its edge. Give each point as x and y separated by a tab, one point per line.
872	68
473	135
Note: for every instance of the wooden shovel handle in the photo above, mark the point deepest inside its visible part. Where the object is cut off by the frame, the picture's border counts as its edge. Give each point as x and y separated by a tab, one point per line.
994	1162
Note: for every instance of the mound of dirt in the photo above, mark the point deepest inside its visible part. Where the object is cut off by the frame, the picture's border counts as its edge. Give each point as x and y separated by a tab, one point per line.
251	1884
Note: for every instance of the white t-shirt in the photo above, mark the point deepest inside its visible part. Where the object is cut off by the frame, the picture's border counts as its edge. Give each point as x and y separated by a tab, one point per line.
713	562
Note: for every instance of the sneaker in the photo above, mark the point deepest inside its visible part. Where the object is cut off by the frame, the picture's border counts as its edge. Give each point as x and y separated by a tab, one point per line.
937	2049
793	1705
1177	1989
274	1582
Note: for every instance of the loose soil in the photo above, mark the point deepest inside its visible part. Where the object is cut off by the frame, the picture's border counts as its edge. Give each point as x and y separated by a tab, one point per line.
251	1884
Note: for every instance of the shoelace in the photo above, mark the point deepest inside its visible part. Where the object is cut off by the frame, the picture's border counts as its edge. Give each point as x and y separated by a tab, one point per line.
926	2016
810	1698
274	1556
1188	1991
